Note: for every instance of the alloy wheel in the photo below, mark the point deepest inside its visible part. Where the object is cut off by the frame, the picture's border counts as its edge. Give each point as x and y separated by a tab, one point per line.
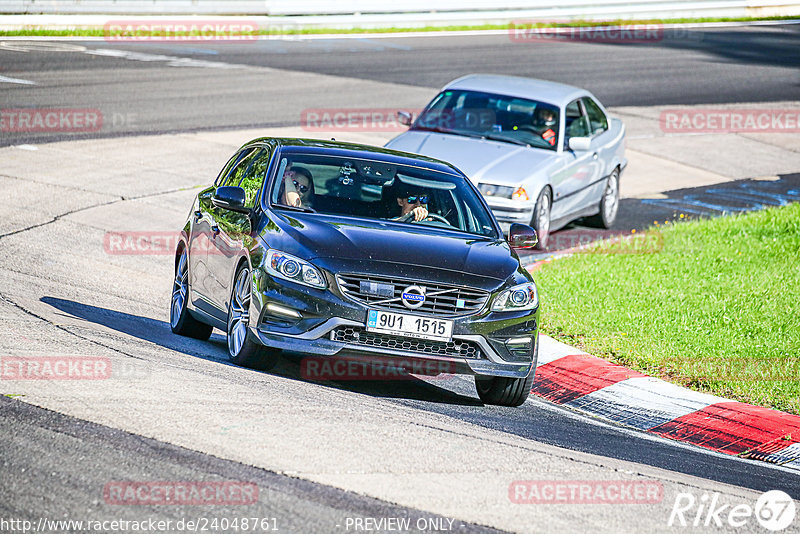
239	314
179	290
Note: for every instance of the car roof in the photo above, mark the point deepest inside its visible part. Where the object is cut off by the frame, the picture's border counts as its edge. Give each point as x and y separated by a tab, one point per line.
355	150
543	90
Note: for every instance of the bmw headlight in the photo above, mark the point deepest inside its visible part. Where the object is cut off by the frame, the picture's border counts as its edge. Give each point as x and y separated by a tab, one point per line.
288	267
521	297
491	190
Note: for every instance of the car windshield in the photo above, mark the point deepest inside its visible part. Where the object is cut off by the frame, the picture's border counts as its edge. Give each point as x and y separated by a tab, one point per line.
497	117
373	189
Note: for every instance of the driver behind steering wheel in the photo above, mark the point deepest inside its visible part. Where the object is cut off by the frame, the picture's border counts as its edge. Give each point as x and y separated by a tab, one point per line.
544	122
413	205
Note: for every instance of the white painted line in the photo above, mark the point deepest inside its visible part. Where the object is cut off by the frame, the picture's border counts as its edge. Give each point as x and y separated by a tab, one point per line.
6	79
25	46
644	402
551	350
171	61
25	147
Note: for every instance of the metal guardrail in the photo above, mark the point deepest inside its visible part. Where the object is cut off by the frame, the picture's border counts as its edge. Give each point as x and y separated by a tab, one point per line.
435	11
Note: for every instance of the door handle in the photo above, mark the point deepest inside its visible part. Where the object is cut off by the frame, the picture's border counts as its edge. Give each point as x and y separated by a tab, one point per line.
197	216
215	230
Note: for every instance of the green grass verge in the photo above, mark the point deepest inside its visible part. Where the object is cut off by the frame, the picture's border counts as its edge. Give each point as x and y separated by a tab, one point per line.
717	309
99	31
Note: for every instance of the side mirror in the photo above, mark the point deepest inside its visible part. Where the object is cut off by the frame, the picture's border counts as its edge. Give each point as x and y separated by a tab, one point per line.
405	118
230	198
521	236
580	143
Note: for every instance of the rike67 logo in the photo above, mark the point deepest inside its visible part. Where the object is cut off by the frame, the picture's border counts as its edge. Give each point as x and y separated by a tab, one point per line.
774	510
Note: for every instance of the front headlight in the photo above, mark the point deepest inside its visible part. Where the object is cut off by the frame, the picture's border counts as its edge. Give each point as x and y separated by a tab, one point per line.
491	190
288	267
521	297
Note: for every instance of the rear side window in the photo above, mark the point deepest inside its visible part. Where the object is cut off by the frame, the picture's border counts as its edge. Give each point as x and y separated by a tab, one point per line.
597	119
576	122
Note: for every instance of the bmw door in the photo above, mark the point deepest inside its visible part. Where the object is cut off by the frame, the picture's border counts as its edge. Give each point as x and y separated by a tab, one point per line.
573	182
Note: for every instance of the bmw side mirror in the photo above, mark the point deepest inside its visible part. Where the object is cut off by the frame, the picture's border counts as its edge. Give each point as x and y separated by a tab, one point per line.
404	118
521	236
230	198
578	144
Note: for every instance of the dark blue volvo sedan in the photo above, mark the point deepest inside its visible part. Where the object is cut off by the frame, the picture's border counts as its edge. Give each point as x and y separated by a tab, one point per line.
334	250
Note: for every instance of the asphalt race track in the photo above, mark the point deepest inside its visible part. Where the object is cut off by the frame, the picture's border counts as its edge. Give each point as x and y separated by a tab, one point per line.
148	91
324	453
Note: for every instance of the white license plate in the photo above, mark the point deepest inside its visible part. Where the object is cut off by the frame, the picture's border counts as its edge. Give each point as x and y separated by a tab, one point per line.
400	324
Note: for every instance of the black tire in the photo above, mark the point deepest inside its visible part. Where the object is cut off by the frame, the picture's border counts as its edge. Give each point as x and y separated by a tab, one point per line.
541	218
609	204
180	320
242	349
504	391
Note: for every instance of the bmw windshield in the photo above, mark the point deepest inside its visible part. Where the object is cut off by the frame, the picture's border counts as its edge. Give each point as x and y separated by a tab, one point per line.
373	189
490	116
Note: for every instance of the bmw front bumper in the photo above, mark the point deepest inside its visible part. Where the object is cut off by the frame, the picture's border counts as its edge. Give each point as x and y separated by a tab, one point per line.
508	212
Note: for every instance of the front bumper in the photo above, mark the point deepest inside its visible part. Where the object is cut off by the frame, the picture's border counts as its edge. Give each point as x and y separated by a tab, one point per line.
509	212
331	325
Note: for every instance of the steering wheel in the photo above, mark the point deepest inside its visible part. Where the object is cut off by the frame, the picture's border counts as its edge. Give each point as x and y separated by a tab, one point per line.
409	217
437	217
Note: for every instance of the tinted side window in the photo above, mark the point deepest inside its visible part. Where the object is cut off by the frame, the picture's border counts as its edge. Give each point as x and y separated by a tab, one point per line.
597	119
254	175
226	169
238	170
576	122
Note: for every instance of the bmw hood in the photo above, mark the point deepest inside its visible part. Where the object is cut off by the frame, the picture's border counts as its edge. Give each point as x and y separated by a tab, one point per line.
482	160
337	241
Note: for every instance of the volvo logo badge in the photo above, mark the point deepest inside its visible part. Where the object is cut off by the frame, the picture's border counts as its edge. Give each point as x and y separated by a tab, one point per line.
413	297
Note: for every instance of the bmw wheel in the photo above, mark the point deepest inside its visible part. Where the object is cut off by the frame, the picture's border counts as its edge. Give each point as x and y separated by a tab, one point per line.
180	320
609	204
242	350
541	218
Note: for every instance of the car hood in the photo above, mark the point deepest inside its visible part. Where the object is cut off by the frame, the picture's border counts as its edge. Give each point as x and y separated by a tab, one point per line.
362	242
482	160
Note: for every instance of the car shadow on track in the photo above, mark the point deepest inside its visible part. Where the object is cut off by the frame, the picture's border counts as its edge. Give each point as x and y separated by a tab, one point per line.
215	349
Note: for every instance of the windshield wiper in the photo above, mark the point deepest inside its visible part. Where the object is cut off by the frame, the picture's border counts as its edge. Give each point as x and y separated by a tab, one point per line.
494	137
296	208
445	131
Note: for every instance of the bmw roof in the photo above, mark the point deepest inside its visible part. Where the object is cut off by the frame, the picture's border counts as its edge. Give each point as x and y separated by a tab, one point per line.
530	88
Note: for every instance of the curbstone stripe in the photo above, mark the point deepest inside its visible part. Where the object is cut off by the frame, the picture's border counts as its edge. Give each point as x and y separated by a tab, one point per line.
570	377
